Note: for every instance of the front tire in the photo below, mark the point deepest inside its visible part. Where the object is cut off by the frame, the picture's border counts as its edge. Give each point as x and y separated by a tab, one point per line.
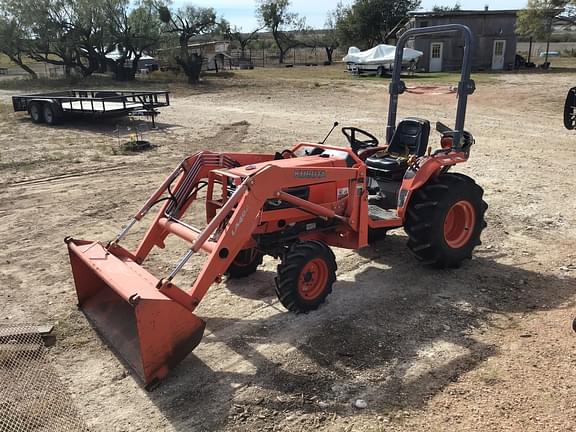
305	276
445	219
245	263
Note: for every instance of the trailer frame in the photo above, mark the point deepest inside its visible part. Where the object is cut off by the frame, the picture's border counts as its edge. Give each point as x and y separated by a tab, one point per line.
52	107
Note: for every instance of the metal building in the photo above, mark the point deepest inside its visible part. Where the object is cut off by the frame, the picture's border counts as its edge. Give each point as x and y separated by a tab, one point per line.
495	39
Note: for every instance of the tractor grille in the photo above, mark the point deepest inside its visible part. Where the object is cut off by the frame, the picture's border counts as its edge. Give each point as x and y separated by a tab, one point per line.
32	395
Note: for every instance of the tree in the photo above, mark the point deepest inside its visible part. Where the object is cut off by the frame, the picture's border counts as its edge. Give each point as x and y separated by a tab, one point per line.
454	8
327	38
14	42
134	32
187	23
276	17
536	20
80	34
62	32
51	26
369	22
235	34
95	32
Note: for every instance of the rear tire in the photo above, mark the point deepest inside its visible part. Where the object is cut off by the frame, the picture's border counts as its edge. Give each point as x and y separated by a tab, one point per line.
445	219
36	112
245	263
380	72
305	276
50	114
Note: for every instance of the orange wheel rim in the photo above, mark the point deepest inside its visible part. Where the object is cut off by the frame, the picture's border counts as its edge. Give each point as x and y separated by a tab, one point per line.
313	279
459	224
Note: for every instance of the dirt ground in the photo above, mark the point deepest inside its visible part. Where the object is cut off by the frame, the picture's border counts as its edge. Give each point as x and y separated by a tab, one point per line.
488	346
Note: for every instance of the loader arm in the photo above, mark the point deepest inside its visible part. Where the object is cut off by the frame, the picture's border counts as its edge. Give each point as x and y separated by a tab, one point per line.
148	320
241	216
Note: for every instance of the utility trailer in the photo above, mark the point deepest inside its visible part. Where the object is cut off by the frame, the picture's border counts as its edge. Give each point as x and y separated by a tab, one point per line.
51	108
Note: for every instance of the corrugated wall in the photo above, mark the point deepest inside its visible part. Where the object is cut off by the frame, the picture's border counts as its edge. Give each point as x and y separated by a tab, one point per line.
486	28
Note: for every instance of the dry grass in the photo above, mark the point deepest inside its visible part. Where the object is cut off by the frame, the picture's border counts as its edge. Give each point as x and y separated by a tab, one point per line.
270	77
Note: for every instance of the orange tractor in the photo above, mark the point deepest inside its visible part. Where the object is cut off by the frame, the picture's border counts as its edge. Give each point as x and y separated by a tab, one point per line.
293	205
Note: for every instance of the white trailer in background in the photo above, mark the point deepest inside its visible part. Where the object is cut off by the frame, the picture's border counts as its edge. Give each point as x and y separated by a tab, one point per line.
378	59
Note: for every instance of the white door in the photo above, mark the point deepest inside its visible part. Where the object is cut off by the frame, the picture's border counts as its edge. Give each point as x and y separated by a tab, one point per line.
498	54
436	49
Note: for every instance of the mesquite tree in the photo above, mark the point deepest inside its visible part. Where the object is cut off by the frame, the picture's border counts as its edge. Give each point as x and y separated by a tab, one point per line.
366	23
235	34
284	25
186	23
14	42
135	32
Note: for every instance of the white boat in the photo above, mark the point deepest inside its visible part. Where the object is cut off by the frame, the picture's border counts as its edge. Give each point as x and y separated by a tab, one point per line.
377	59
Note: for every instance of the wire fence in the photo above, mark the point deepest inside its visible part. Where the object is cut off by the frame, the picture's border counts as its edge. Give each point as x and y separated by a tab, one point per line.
32	394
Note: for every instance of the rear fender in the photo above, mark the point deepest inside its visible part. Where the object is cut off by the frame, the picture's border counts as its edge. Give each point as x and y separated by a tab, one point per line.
419	175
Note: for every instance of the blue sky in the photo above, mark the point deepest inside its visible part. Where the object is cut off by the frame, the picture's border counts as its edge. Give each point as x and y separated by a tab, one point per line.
241	12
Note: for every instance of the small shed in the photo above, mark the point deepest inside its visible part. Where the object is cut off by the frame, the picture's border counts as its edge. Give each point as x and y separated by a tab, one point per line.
494	44
215	53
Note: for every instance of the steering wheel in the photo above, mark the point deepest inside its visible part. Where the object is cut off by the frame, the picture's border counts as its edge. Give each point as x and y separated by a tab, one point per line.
359	144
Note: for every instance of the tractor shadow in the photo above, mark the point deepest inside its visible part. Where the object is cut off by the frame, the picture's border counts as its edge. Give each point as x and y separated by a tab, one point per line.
384	316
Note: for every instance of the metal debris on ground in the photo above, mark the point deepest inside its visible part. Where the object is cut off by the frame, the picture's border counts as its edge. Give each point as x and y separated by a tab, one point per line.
32	394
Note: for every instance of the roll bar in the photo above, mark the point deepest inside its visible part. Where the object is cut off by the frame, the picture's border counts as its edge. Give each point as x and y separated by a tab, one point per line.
466	86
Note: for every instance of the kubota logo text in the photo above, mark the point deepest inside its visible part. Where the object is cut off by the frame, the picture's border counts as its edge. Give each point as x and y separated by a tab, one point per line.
302	173
239	222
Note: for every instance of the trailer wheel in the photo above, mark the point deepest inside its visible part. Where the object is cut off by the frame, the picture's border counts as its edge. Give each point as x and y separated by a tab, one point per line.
51	114
305	276
445	219
35	110
245	263
381	71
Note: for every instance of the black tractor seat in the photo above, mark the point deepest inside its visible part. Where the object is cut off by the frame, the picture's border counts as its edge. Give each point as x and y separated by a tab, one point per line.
409	139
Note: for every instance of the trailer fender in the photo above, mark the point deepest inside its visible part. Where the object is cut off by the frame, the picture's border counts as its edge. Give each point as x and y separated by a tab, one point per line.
40	101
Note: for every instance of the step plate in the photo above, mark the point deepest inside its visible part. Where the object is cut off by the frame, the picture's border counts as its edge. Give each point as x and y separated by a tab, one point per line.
378	213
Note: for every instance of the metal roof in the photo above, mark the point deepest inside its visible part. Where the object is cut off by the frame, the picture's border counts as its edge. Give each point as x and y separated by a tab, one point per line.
462	13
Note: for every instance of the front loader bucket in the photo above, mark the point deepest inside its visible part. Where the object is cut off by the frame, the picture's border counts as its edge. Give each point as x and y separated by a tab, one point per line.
148	330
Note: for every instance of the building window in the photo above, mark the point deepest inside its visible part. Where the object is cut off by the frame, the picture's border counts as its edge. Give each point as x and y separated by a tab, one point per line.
499	49
423	23
436	50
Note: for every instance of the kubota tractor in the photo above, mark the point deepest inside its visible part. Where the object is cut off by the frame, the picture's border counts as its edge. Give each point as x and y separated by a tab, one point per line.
293	205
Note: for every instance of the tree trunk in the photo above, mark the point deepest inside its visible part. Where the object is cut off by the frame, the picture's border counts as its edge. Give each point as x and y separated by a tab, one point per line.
282	50
123	73
329	52
192	67
282	55
135	66
119	69
93	64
